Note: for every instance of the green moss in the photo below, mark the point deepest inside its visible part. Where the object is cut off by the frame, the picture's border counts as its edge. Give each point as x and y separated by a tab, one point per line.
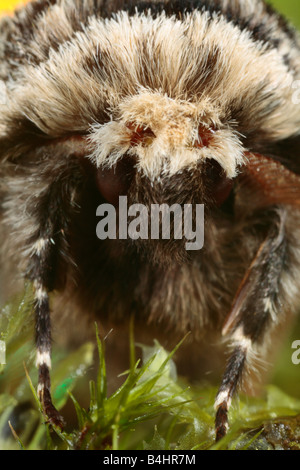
153	408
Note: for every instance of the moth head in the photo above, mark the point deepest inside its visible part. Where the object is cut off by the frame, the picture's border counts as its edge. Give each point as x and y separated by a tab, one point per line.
177	151
166	136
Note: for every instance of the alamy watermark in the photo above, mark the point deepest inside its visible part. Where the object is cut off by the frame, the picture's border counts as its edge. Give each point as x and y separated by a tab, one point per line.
296	354
2	352
3	93
296	94
137	221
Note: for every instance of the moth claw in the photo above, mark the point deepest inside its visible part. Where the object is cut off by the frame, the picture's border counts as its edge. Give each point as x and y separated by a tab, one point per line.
54	418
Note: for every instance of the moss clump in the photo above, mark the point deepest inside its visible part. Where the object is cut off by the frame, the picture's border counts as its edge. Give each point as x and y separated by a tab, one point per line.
153	409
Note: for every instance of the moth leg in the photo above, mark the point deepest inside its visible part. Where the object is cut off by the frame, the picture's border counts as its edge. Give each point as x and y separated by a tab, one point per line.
43	332
47	246
255	310
231	379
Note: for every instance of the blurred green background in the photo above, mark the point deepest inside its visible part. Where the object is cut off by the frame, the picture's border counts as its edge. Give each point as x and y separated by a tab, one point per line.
290	8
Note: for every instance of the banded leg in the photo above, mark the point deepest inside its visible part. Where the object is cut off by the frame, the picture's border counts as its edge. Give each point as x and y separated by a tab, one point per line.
47	246
43	331
255	309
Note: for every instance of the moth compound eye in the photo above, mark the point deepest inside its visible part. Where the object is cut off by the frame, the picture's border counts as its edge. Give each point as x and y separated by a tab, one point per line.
140	134
219	186
111	181
115	181
205	135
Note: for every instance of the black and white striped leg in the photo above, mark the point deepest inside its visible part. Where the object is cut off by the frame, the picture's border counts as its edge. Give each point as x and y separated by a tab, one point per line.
255	310
43	356
46	246
44	256
231	379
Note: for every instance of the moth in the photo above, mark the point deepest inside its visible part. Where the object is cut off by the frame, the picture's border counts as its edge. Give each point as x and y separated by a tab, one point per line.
164	102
